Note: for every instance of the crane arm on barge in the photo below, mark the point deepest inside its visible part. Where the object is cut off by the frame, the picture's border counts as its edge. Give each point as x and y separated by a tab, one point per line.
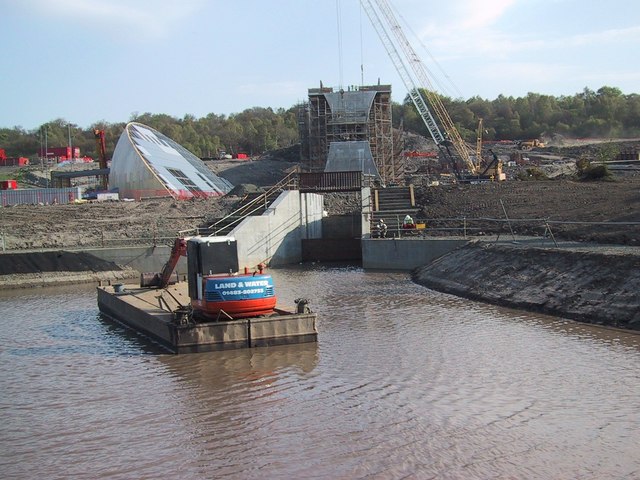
166	275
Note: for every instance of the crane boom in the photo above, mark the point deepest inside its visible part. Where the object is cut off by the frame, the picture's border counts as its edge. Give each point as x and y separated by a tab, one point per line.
101	148
164	278
412	86
479	143
403	71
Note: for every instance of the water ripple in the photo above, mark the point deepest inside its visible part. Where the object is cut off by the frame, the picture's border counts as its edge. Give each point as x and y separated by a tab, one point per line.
403	383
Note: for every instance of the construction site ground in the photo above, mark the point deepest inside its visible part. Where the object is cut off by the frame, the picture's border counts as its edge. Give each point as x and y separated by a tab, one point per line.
561	207
568	208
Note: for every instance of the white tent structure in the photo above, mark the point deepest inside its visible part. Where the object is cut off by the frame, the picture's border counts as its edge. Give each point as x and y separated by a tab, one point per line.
147	163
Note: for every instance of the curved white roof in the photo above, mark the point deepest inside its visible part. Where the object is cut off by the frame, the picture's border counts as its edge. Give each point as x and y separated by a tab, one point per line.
147	163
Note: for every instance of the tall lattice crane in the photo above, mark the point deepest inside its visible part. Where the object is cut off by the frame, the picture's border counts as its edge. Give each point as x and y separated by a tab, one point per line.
479	142
418	79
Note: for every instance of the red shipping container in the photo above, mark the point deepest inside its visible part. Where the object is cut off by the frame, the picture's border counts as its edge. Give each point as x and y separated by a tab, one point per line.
242	156
20	161
8	185
57	152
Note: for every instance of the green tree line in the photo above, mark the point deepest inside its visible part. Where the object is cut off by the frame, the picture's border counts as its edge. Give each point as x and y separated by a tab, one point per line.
606	113
253	131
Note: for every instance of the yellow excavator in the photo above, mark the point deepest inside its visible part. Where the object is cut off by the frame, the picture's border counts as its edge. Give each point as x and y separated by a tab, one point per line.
492	168
529	144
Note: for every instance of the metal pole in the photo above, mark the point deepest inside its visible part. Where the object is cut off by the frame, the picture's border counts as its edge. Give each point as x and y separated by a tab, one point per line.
551	233
70	146
508	221
1	217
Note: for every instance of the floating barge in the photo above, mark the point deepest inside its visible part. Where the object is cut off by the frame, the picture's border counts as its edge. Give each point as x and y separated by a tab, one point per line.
161	315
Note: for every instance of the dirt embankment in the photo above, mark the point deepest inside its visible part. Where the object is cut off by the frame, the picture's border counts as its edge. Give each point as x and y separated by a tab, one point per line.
26	227
586	211
599	211
18	270
527	203
599	287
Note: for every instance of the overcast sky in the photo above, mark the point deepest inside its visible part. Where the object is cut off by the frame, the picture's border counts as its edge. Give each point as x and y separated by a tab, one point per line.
91	60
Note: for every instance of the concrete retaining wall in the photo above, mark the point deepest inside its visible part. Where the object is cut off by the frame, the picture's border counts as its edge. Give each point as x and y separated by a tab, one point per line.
275	237
342	226
405	253
142	259
385	254
332	250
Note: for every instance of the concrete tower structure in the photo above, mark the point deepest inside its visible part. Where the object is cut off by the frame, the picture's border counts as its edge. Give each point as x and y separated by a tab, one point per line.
349	130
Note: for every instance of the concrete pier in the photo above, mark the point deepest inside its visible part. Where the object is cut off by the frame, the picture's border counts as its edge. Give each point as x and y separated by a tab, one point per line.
405	253
151	312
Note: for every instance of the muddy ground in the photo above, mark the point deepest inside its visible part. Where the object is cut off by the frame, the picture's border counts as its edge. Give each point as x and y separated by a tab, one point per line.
527	204
600	211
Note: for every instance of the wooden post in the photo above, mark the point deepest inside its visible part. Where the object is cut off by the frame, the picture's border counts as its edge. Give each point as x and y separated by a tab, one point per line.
508	221
548	229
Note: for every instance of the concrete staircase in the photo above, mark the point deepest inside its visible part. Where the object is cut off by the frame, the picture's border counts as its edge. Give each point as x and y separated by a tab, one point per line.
392	204
253	204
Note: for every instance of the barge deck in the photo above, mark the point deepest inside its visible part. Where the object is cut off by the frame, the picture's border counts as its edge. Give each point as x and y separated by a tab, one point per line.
160	315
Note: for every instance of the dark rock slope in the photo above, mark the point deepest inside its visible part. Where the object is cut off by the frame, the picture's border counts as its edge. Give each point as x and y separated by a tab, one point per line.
597	286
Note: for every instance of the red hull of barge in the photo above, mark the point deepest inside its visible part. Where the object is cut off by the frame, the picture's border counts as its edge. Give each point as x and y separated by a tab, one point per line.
236	308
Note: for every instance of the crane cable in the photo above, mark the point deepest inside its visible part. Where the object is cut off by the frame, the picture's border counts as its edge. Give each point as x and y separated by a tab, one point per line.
361	49
433	59
339	20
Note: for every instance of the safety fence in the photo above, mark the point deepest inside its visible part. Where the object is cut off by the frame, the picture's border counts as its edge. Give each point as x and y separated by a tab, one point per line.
543	227
331	181
426	228
39	196
177	194
106	239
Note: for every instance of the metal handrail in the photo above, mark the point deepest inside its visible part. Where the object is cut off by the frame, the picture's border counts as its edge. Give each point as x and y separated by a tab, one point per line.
289	182
462	224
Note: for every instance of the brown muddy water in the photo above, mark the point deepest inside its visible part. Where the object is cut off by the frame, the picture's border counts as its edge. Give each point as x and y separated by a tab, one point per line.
403	383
